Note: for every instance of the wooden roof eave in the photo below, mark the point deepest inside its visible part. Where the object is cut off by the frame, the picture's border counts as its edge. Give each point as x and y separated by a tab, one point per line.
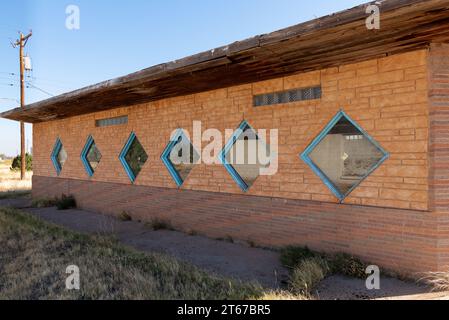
332	40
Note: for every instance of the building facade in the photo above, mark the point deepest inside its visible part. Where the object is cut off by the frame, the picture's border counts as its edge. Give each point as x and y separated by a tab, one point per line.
362	160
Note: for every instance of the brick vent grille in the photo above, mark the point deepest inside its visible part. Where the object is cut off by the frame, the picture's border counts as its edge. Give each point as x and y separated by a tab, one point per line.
111	121
287	96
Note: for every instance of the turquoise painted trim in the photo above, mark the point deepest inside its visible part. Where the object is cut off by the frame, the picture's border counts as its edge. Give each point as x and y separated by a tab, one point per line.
305	156
122	156
54	156
165	157
87	146
222	157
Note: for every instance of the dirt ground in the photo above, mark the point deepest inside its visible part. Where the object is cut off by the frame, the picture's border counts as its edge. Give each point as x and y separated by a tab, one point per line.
229	259
345	288
10	180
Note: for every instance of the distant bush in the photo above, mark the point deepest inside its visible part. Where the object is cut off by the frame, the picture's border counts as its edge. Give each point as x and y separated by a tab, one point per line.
17	163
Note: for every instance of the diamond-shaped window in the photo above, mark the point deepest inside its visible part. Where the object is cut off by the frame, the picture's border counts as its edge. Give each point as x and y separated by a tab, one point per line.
58	156
242	158
133	157
344	155
91	156
180	157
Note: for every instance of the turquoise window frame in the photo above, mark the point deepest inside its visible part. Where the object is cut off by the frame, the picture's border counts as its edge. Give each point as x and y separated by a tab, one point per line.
165	156
54	156
122	158
87	146
305	156
222	157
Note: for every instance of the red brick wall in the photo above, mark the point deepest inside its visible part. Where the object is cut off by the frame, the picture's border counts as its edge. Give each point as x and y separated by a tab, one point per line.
387	97
439	144
402	240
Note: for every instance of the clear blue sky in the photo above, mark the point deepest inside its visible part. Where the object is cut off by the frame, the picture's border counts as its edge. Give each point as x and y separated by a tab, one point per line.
119	37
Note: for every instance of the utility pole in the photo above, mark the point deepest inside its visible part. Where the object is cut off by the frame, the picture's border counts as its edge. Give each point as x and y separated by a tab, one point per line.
21	43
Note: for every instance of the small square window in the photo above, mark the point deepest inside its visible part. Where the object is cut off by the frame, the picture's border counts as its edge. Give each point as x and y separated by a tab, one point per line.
90	156
343	155
180	157
241	156
133	157
58	156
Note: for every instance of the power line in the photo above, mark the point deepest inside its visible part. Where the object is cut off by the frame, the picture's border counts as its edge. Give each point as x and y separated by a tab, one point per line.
54	87
37	88
52	83
30	85
9	79
10	99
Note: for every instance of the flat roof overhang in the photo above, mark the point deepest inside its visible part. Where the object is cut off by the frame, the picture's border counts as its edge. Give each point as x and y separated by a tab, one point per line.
333	40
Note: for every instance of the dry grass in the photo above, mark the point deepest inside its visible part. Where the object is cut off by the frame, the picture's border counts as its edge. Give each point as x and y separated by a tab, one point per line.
283	295
14	194
10	180
35	254
438	281
308	274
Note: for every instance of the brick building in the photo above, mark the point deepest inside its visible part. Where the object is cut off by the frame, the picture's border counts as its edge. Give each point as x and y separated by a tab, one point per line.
363	122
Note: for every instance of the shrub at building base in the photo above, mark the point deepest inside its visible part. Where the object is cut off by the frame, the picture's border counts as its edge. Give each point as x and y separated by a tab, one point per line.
124	216
63	203
160	224
66	202
308	274
308	268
